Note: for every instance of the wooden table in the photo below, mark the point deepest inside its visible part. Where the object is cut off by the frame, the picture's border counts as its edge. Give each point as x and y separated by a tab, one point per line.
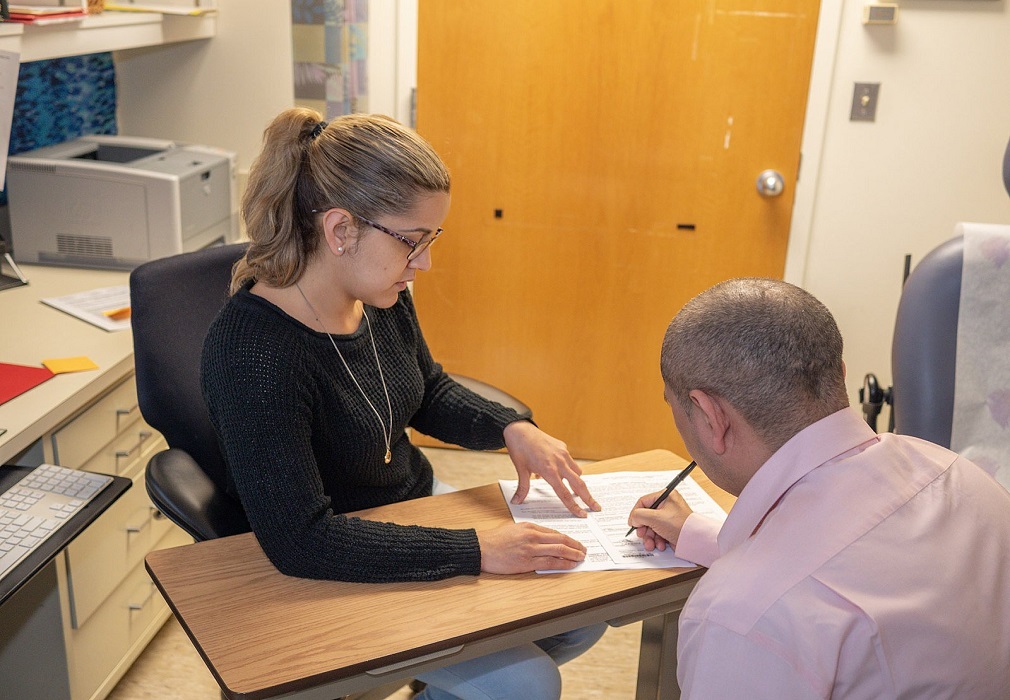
267	635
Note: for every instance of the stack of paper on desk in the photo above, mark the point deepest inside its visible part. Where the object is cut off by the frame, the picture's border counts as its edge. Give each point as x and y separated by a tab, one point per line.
42	7
167	7
106	307
603	533
48	11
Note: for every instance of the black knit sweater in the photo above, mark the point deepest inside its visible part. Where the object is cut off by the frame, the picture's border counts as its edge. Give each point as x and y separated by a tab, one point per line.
302	446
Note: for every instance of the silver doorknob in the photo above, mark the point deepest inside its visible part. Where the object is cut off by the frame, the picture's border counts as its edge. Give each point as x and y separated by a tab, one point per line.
770	183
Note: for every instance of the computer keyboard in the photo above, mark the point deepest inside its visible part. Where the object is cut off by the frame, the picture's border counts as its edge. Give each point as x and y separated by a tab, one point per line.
38	505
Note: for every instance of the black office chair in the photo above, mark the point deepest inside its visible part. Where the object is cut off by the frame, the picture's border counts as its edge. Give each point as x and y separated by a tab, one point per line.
173	301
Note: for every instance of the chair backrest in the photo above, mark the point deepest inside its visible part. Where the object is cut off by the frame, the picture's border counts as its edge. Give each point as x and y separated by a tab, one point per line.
924	350
173	301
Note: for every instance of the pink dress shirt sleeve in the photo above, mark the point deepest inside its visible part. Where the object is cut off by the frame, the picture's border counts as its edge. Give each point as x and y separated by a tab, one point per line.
699	540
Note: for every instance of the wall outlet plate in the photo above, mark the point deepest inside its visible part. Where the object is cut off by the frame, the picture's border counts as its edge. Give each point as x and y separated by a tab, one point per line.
880	13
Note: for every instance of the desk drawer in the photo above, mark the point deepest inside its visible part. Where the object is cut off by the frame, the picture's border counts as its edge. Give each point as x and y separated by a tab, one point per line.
128	453
106	552
102	648
146	604
99	647
81	438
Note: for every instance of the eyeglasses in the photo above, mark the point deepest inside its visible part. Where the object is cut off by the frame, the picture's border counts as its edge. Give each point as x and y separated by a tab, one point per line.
417	247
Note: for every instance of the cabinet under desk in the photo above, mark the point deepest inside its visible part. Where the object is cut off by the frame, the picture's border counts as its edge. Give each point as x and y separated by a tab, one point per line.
93	609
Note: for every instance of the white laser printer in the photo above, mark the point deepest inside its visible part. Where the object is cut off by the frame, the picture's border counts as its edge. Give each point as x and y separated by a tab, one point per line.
117	201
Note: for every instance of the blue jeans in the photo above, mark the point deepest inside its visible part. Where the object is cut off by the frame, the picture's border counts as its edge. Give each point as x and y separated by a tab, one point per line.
527	672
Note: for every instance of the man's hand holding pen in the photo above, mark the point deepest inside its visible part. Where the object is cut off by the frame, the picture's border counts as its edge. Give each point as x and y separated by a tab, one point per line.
659	527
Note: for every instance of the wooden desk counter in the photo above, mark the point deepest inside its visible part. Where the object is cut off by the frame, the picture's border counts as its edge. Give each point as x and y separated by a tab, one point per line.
264	634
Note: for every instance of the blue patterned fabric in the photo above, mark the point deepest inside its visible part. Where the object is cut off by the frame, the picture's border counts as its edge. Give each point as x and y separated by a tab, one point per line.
62	99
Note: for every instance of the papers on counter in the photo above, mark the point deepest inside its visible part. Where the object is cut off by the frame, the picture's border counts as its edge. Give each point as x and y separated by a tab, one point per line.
106	307
193	8
603	533
17	379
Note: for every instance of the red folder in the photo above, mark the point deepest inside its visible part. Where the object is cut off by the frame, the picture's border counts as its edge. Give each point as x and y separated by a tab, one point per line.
17	379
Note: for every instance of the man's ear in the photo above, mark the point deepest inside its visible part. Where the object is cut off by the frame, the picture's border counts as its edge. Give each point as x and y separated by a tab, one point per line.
713	419
336	227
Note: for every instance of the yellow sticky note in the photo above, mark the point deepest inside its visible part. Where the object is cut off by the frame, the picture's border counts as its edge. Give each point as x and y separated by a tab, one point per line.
69	364
118	314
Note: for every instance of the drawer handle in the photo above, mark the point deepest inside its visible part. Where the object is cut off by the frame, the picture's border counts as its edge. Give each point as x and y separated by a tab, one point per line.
125	415
143	604
141	437
136	529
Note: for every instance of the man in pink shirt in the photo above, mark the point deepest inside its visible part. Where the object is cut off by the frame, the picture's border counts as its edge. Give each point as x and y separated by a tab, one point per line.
853	565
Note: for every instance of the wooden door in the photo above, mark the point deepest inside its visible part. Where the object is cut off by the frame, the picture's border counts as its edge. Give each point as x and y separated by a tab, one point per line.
604	157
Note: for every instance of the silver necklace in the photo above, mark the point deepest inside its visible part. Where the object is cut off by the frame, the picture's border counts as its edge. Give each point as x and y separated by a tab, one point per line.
387	433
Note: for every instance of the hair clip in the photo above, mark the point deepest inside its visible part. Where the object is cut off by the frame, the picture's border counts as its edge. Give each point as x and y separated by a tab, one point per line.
318	129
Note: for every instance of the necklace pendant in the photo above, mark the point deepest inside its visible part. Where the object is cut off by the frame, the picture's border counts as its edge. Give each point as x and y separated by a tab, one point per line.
388	458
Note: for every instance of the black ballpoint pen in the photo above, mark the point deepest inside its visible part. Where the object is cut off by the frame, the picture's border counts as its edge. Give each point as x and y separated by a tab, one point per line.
669	488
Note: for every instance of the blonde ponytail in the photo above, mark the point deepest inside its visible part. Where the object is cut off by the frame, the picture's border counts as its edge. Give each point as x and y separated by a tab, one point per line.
368	164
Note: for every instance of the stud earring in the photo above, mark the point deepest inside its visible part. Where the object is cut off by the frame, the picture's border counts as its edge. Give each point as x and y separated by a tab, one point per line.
340	249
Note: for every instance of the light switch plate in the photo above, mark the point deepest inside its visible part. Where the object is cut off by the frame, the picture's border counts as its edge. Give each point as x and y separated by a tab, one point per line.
864	102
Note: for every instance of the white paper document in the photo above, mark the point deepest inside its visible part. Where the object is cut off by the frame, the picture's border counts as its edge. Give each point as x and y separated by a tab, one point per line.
96	305
167	7
603	532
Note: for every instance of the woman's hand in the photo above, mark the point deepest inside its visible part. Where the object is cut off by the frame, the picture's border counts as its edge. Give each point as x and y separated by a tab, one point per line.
517	548
534	452
660	527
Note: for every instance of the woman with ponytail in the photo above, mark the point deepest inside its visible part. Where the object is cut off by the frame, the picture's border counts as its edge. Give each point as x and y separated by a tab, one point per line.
316	367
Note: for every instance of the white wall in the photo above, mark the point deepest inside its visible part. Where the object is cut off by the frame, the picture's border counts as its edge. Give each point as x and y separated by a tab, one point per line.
224	91
871	193
221	92
392	57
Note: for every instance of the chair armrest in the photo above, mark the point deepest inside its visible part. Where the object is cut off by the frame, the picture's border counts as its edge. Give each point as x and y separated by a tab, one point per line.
184	493
494	394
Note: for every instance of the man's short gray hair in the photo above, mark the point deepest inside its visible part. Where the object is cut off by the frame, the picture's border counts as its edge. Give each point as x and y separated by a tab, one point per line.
769	348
